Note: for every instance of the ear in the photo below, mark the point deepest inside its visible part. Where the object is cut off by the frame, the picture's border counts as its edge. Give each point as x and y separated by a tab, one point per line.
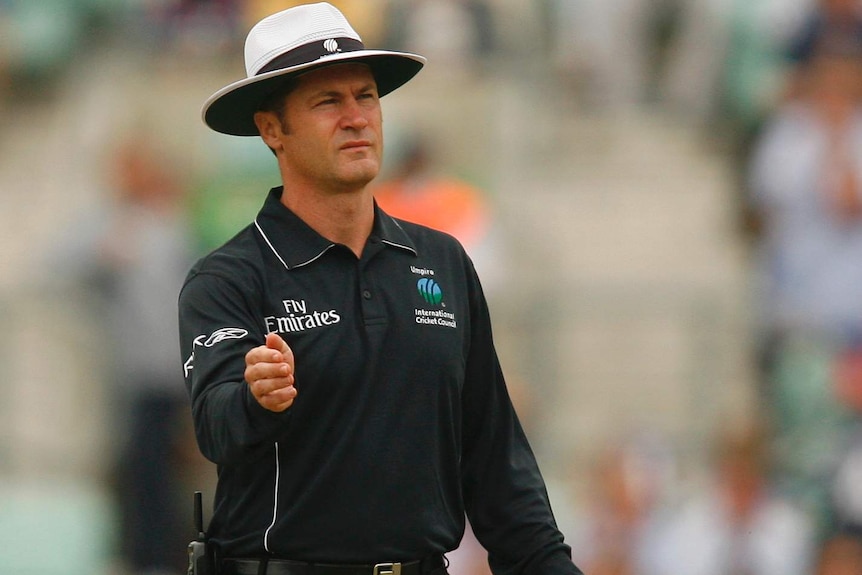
269	127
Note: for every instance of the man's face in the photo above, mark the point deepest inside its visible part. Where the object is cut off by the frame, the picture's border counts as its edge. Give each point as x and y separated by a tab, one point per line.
332	130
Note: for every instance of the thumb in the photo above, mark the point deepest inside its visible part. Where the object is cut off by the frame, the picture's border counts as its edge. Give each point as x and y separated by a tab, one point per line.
275	341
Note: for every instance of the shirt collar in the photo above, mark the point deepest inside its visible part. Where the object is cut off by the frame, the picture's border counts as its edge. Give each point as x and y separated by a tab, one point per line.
295	244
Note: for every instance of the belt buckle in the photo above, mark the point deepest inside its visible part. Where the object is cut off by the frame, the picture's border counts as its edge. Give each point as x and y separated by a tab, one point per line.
387	569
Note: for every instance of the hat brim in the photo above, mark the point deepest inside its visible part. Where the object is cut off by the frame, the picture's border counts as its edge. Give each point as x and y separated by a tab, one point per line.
231	109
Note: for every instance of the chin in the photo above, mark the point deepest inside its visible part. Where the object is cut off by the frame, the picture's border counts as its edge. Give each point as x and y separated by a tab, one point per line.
361	176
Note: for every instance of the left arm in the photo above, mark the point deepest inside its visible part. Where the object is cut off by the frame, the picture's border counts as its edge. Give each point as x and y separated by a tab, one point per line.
505	496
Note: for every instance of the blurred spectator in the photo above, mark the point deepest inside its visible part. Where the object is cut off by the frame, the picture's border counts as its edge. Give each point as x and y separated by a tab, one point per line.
840	554
615	535
846	484
134	254
737	524
829	24
417	191
805	180
753	80
809	422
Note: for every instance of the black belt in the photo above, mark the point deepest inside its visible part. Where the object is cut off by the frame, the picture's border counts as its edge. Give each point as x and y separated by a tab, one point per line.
283	567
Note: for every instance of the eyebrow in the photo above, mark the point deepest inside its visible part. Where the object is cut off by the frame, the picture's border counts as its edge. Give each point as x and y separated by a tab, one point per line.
337	93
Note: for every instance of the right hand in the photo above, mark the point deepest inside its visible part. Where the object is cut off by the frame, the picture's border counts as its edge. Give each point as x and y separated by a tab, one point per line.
269	370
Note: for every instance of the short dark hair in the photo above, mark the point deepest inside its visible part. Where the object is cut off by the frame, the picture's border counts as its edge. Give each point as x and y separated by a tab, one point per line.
275	101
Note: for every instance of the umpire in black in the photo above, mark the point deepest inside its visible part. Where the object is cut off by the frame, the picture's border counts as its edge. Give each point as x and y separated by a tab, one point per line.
340	362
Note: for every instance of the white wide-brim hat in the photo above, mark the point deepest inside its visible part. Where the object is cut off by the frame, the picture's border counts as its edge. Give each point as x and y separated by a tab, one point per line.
294	41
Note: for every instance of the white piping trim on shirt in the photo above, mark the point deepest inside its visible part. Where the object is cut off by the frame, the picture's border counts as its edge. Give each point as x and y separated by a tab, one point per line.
408	248
269	243
274	503
402	246
326	249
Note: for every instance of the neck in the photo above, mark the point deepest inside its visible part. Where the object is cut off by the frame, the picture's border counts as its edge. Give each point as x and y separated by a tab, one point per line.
342	218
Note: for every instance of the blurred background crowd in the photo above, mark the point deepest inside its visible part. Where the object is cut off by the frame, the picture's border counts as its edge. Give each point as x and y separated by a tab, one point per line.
663	198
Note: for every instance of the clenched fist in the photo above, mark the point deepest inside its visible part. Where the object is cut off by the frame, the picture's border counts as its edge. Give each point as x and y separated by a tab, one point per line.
269	372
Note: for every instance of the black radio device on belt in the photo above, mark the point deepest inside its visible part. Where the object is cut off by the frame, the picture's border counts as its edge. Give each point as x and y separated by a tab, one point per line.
200	558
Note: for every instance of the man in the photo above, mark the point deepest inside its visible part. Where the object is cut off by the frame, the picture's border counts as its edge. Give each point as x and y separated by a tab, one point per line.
339	361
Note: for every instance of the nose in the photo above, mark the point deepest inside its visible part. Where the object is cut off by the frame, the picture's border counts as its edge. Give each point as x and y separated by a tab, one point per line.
354	115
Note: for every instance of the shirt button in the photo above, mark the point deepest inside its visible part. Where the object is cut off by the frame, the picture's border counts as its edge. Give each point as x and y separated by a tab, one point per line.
366	294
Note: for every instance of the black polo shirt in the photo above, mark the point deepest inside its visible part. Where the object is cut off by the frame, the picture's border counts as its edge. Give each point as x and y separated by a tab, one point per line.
402	421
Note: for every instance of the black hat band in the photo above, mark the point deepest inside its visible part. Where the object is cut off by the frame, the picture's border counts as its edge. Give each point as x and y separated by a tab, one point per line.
311	52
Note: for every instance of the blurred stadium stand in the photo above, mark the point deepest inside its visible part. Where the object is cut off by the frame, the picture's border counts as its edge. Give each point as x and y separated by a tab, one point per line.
624	305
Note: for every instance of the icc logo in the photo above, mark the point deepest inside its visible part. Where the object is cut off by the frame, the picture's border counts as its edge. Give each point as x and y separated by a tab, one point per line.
331	45
430	291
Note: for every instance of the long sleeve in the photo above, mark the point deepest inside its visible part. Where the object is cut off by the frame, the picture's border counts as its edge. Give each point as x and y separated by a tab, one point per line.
217	329
505	496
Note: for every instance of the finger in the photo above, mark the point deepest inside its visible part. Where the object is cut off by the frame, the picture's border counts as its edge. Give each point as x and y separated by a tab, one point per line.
264	370
263	354
262	387
278	400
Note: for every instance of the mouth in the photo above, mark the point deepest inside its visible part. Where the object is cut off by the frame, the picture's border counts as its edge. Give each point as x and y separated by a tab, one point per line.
356	145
